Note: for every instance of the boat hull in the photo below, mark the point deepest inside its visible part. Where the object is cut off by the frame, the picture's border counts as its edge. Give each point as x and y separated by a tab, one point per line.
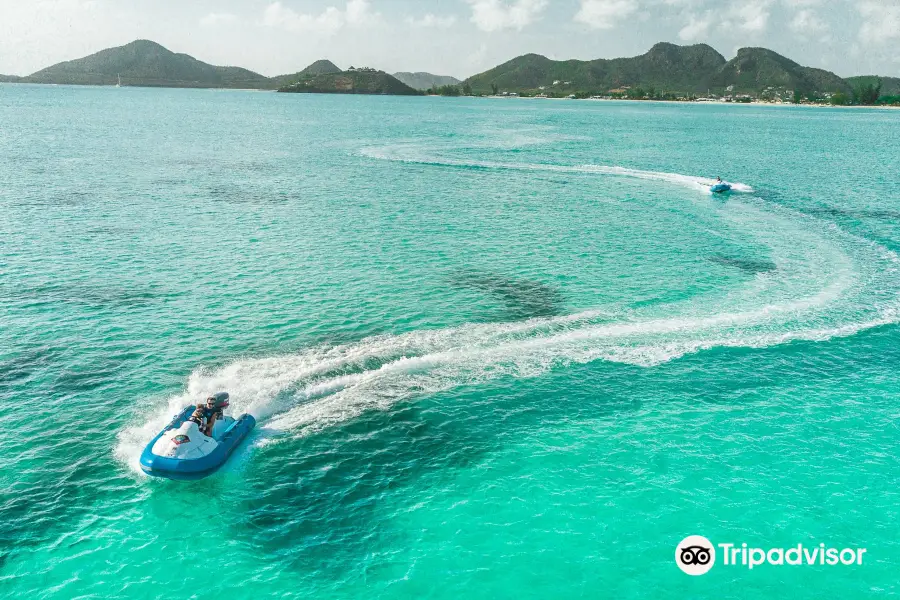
720	188
198	468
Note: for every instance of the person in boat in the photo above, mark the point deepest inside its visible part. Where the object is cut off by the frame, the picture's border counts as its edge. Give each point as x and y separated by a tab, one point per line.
718	180
206	415
199	417
215	405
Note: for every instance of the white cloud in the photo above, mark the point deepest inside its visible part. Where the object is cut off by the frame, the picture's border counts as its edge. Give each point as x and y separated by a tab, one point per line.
494	15
881	21
216	19
807	22
358	13
38	33
36	16
479	56
697	28
802	3
752	16
431	20
605	14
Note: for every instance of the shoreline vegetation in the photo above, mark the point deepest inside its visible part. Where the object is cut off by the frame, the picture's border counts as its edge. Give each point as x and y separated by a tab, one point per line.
697	101
666	73
856	99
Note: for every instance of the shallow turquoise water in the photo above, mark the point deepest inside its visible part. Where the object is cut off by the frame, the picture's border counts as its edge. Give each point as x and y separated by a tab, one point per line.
498	349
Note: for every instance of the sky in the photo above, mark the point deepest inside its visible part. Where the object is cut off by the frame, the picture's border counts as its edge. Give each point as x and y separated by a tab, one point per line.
449	37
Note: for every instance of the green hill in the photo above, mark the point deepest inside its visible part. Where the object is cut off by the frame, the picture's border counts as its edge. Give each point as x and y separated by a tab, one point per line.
364	81
754	69
666	67
320	67
423	81
890	86
146	63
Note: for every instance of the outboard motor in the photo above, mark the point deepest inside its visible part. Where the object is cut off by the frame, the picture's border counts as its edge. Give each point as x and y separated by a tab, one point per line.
220	400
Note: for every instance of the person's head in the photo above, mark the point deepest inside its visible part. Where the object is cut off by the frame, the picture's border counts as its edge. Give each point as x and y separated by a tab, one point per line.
217	401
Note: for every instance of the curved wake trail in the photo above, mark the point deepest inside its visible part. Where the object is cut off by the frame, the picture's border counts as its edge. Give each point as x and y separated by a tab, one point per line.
828	283
412	154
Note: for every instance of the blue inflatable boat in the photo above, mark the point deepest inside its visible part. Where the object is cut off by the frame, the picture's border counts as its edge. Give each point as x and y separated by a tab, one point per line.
182	451
720	187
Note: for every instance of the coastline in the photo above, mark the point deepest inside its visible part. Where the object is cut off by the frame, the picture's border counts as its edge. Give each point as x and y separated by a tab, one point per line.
689	102
488	97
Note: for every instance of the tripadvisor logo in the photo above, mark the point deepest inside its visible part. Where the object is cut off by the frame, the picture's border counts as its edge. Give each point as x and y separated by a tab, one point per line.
696	555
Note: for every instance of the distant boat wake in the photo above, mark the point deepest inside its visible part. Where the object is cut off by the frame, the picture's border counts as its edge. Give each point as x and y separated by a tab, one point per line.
411	153
823	283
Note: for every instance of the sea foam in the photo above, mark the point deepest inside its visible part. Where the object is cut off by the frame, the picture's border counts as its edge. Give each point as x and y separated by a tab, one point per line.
820	289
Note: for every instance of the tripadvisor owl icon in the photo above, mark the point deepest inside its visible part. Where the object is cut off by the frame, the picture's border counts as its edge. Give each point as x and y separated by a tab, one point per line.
695	555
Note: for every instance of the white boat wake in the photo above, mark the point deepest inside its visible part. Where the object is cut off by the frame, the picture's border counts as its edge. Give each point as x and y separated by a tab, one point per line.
415	154
828	283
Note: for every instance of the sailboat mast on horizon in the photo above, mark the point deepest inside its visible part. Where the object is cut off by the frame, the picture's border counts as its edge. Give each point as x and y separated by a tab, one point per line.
119	83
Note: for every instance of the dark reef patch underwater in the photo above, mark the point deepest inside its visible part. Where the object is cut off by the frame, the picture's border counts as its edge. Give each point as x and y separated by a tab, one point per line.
521	298
747	265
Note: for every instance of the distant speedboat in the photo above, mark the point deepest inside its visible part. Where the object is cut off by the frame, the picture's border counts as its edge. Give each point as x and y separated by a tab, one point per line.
720	187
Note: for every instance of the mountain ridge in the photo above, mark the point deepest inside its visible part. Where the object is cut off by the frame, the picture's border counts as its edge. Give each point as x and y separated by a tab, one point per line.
146	63
320	67
684	69
666	67
890	86
754	68
352	81
421	80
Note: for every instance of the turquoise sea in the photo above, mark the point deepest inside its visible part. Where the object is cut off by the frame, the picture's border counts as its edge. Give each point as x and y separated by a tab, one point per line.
497	349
